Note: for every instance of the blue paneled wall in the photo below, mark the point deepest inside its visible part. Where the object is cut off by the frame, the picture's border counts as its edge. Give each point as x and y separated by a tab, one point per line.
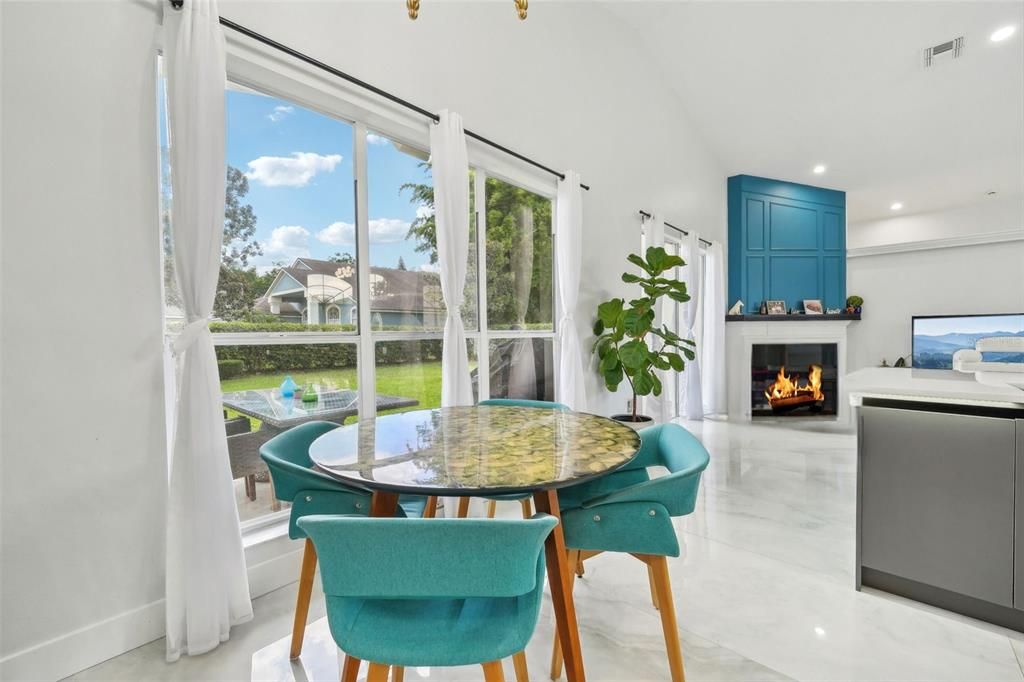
786	242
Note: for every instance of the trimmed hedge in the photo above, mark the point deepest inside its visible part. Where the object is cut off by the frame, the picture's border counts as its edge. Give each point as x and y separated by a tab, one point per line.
299	357
229	369
227	327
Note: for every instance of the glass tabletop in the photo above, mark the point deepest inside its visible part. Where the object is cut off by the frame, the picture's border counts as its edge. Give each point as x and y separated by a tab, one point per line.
269	406
474	450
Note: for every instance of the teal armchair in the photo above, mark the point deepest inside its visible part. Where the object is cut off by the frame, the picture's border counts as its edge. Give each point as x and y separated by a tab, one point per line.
390	602
311	492
524	500
630	512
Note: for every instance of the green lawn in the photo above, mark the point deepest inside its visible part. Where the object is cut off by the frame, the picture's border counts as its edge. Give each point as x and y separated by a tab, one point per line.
421	381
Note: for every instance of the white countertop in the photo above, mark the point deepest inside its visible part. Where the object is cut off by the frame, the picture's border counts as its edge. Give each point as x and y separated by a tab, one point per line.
928	385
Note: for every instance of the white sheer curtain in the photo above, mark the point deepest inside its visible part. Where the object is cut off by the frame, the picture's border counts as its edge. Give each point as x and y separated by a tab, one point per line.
207	586
569	253
662	408
712	351
690	323
450	168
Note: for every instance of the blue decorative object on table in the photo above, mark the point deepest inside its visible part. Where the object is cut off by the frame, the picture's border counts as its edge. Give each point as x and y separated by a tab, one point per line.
288	387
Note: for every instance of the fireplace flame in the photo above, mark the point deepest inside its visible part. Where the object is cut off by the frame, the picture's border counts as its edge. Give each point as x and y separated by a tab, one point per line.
787	389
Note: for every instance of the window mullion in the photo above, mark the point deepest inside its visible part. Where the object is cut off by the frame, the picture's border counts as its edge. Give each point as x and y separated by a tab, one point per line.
483	354
367	369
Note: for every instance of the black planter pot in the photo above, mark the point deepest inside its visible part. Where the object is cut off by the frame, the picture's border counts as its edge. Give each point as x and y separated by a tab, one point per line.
642	420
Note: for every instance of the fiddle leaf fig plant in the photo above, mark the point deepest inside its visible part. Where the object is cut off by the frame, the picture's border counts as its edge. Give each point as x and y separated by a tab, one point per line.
629	345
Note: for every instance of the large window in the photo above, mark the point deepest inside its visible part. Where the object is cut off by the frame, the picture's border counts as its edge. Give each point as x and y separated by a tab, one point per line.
298	338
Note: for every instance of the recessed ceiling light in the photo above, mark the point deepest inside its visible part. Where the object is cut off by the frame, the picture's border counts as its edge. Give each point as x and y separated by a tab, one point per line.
999	35
819	169
896	206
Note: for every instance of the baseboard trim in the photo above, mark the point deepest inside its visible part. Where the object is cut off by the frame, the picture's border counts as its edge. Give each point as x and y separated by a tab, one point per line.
75	651
929	244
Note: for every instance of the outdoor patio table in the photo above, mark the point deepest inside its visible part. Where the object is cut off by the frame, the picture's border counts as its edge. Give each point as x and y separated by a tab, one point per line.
481	451
278	414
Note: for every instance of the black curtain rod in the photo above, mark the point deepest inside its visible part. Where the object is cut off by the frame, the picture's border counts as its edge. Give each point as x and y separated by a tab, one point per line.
645	214
301	56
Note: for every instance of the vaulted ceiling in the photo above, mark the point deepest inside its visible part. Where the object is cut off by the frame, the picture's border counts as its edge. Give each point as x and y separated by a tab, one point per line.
778	87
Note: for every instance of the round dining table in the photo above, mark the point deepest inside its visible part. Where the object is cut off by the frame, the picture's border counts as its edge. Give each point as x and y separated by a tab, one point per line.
483	451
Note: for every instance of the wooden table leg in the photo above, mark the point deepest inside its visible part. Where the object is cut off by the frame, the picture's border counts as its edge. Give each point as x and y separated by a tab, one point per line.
560	576
383	504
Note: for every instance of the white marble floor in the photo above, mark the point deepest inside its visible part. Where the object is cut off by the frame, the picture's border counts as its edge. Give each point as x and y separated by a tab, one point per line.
764	591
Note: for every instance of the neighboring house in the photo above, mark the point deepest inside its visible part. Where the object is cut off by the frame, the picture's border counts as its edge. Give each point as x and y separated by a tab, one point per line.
314	291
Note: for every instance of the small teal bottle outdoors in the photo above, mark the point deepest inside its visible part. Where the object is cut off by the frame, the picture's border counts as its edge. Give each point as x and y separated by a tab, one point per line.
288	387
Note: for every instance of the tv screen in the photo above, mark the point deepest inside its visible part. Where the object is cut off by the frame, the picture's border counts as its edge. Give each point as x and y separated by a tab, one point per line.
936	338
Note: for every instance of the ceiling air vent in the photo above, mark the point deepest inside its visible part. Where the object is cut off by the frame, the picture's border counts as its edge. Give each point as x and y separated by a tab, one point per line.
951	49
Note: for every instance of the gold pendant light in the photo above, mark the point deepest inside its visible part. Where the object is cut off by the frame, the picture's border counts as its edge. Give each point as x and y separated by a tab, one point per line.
413	7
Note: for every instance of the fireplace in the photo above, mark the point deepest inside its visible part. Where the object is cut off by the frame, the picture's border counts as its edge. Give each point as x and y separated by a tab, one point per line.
794	380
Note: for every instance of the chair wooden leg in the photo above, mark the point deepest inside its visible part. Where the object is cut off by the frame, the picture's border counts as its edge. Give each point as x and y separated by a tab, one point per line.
430	509
302	601
492	508
350	670
493	672
659	566
527	508
463	507
378	672
654	589
519	661
397	673
574	558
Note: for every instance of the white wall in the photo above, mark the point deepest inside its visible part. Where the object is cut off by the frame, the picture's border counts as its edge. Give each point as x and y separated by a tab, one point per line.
82	427
968	278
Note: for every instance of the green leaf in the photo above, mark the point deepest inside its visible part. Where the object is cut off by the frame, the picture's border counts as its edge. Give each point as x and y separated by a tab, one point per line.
633	354
660	362
690	355
613	377
638	323
630	278
657	384
638	261
609	311
659	260
609	361
643	383
598	327
675	361
678	296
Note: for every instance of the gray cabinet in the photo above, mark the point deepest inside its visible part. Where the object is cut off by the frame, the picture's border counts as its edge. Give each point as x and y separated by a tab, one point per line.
937	501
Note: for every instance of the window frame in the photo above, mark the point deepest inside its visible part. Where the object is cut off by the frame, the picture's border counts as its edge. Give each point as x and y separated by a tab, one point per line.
255	68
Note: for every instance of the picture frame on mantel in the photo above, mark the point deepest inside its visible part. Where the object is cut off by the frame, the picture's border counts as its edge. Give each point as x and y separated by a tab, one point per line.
812	306
776	307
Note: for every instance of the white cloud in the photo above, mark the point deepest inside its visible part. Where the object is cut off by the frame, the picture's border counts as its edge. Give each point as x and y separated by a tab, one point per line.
427	267
382	231
372	138
287	242
424	211
290	171
279	112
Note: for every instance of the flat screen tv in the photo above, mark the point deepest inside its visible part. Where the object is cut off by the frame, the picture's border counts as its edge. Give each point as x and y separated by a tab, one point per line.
937	337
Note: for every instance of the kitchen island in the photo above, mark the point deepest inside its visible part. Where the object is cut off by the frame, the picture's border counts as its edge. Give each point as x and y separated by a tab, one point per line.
940	490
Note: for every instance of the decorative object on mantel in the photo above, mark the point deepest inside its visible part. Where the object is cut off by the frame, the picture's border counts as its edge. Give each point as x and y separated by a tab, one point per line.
853	304
764	308
812	306
624	332
992	373
413	8
833	311
775	307
900	362
736	309
885	363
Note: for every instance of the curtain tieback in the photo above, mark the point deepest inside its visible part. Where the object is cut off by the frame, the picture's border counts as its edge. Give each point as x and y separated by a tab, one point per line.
189	334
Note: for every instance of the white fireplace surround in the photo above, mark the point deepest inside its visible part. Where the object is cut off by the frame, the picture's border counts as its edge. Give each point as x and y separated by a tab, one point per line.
740	338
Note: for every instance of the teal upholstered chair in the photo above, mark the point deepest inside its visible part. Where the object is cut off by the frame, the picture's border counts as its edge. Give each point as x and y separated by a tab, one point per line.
630	512
524	500
392	603
310	492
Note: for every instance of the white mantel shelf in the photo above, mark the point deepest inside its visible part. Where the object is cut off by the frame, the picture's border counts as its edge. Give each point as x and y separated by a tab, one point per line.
742	336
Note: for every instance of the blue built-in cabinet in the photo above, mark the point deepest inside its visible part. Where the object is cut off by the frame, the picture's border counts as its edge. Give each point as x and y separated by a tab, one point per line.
786	242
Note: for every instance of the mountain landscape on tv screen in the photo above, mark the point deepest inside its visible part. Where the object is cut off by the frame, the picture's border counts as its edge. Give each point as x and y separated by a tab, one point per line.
936	352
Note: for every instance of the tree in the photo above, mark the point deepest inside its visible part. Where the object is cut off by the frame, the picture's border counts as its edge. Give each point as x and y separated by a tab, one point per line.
401	264
508	208
343	258
239	222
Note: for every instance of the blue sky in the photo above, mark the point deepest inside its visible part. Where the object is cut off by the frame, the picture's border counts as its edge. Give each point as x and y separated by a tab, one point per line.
970	325
300	169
